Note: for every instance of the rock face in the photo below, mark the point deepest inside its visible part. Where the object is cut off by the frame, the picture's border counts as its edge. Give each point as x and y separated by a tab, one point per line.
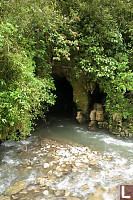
81	86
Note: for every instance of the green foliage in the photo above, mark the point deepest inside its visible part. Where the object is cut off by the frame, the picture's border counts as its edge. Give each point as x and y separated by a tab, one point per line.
24	96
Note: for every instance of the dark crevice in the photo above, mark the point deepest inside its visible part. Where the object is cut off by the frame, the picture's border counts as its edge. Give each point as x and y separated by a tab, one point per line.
64	102
98	96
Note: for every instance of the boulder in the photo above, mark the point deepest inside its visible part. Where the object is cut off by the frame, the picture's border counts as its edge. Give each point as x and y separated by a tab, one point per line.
99	116
80	117
17	187
100	124
92	126
93	115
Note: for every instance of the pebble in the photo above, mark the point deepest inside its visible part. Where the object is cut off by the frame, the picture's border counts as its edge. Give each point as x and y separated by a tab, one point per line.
46	165
46	192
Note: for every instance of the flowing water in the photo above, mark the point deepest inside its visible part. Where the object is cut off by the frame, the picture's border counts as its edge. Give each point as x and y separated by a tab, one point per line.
118	170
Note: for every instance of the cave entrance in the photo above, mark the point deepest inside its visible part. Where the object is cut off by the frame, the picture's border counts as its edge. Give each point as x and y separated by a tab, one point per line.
64	102
98	96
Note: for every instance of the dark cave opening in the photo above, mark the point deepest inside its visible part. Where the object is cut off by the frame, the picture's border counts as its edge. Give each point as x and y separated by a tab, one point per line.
98	96
64	102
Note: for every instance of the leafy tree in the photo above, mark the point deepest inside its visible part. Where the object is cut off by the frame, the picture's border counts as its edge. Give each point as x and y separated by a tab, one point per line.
24	95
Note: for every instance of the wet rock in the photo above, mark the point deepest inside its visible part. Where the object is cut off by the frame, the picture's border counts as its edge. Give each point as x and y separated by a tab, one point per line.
59	192
37	190
14	197
105	125
68	193
50	172
92	123
29	162
98	194
41	181
85	187
46	192
126	133
2	197
74	169
58	174
130	135
121	134
46	165
99	116
92	126
113	190
23	191
58	168
80	117
31	187
18	186
100	124
93	115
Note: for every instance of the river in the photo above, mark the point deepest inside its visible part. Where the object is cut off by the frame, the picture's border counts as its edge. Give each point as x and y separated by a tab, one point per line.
63	160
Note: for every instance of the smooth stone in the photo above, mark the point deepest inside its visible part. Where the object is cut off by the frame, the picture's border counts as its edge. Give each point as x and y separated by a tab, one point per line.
46	192
14	197
18	186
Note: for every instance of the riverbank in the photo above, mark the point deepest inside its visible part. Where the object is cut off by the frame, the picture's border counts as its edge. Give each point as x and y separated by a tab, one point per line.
68	172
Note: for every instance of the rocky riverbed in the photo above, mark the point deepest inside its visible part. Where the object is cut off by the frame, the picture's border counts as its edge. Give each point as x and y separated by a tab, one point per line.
69	172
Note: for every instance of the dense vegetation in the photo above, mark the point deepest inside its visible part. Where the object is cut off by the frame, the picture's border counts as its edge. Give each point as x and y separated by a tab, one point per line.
94	37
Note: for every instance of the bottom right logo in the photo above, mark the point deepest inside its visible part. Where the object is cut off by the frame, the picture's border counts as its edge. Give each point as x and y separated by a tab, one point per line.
126	192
